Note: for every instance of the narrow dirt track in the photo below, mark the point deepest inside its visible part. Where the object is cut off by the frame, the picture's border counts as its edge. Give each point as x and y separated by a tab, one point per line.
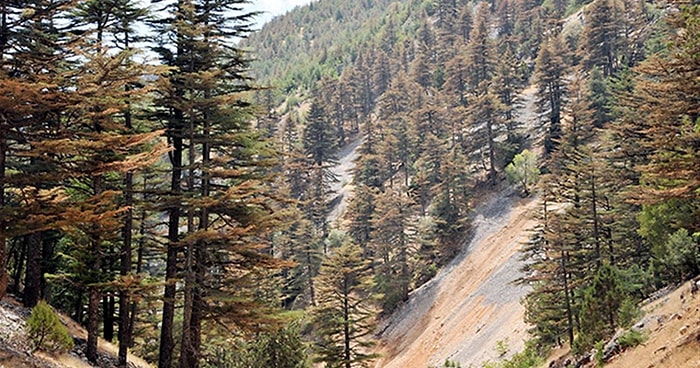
472	303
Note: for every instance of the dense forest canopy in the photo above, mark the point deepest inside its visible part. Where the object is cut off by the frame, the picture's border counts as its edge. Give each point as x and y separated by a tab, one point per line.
187	203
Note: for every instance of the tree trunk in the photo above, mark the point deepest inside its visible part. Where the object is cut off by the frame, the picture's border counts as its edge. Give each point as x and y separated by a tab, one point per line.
48	266
78	307
126	253
492	153
124	325
20	257
346	322
187	351
567	299
92	325
596	225
108	317
186	346
93	290
310	275
166	333
3	225
32	281
139	264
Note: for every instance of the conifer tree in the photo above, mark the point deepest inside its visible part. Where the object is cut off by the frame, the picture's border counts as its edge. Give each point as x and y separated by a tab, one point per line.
360	213
529	28
601	39
661	94
220	208
664	136
550	73
464	23
450	206
479	51
395	148
550	306
344	318
600	306
390	247
320	148
486	117
114	20
36	90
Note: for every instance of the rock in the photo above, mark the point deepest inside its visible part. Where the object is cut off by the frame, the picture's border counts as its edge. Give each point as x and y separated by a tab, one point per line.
663	348
684	329
611	349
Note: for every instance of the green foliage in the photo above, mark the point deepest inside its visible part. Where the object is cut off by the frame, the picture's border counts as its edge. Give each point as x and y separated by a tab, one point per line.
601	308
296	50
658	221
344	315
502	347
575	5
632	338
528	358
599	346
450	364
523	171
282	348
628	313
677	258
46	331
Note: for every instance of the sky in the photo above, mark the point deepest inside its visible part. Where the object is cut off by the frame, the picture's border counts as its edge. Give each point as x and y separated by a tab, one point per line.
273	8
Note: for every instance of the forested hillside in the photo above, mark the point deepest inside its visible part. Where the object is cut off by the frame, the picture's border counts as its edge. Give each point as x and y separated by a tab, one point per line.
182	207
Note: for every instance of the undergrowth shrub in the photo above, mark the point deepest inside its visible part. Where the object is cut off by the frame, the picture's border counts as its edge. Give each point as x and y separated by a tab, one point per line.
631	338
46	331
528	358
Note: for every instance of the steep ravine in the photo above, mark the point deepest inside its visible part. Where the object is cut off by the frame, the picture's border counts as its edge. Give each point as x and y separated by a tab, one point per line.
473	303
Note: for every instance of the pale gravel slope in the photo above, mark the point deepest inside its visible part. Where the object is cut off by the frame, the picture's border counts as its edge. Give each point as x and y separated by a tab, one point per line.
473	302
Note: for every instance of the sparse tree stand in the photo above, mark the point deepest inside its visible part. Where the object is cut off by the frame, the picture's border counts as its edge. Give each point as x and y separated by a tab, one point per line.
344	318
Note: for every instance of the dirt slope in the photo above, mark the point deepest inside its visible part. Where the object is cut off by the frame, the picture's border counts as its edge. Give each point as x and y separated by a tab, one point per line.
472	303
673	325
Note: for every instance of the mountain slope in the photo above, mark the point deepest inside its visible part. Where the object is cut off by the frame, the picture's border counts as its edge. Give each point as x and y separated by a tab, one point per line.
673	326
322	38
472	303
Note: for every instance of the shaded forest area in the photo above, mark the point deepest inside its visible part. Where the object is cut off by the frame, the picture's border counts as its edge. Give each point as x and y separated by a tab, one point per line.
179	209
